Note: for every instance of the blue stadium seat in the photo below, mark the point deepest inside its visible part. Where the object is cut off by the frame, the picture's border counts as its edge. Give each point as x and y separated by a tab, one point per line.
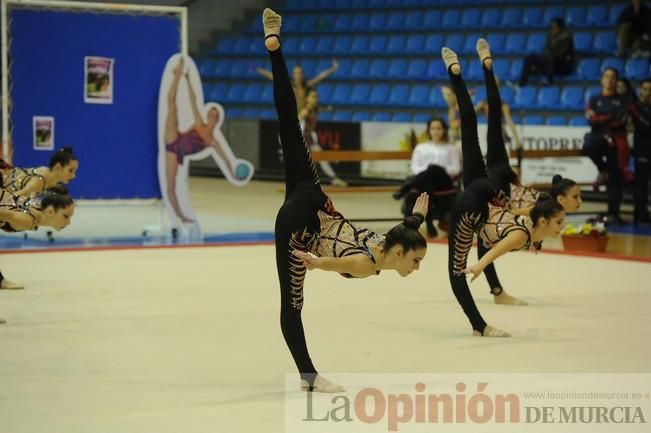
433	43
576	17
290	45
497	41
436	70
613	62
234	113
235	93
341	46
588	68
252	93
508	94
359	45
267	114
549	97
401	117
515	43
590	92
309	67
421	117
415	21
219	92
361	116
379	69
251	113
415	44
637	69
396	44
225	45
475	72
605	42
360	22
615	11
418	96
597	16
360	94
342	116
478	94
583	42
325	93
377	22
325	23
533	119
222	68
205	67
455	42
342	73
572	98
308	23
359	69
326	116
469	44
293	5
512	18
417	69
578	121
502	69
379	94
343	23
435	98
341	94
381	117
399	95
516	69
241	46
470	18
552	12
491	19
267	94
432	20
396	21
536	43
291	23
532	18
451	19
378	44
525	98
397	68
556	121
325	45
307	45
238	68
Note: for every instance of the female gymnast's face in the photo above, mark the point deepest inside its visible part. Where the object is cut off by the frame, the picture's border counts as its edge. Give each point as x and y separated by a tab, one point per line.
437	131
571	201
58	219
68	172
551	227
313	99
408	262
213	116
297	75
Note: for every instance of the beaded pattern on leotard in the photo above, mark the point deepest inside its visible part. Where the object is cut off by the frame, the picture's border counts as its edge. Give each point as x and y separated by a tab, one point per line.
501	222
523	197
16	204
15	179
464	233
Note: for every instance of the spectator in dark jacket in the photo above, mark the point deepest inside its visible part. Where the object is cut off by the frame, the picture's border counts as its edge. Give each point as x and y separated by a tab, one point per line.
641	114
556	59
634	30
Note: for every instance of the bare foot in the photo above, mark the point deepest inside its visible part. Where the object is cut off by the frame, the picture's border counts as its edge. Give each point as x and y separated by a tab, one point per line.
505	299
321	384
451	60
271	22
489	331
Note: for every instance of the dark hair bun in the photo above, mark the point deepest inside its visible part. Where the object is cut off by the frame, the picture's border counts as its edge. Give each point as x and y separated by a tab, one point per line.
557	179
413	221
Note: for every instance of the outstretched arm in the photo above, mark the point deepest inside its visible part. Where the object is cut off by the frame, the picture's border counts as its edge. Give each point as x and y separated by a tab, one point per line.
323	75
512	241
357	265
193	102
266	73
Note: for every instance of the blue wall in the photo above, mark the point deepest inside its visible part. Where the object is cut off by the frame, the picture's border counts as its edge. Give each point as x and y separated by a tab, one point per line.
116	144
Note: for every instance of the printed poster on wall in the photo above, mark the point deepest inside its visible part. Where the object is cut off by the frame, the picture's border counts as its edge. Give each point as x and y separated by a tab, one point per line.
43	127
98	80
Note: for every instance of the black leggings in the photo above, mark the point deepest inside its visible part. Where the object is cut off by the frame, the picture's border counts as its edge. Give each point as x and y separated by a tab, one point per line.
470	208
297	221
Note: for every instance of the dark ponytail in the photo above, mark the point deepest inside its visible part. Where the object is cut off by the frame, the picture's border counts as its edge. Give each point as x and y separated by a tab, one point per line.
560	186
406	234
546	207
62	157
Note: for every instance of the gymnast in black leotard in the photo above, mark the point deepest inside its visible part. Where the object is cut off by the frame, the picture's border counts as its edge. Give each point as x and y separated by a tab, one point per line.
311	234
471	209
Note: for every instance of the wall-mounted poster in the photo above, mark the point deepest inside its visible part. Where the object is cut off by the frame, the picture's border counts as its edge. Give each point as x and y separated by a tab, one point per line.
43	127
98	76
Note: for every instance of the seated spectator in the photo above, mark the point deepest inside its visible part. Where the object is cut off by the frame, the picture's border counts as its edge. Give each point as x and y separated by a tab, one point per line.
634	30
641	114
557	57
434	166
606	143
625	90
